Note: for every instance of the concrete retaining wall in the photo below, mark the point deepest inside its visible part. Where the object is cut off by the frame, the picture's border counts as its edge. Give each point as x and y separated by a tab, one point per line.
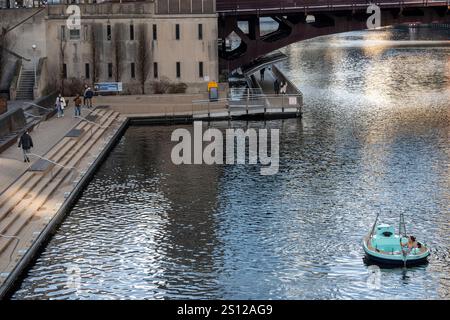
11	121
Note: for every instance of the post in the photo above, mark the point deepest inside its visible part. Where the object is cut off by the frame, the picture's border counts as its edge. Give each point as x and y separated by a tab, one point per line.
34	63
246	102
209	109
265	106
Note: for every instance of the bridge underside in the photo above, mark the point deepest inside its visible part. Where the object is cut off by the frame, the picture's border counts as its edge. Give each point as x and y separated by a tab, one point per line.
293	28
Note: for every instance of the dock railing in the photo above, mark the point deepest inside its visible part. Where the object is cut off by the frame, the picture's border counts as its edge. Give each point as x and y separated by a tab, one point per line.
248	105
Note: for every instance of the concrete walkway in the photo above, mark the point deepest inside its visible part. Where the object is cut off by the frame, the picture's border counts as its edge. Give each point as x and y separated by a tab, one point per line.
267	84
45	135
32	205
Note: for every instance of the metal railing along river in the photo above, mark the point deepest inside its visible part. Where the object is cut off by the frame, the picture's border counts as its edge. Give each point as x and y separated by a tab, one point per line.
243	104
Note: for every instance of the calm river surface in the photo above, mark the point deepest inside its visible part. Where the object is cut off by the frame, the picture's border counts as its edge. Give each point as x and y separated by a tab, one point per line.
374	138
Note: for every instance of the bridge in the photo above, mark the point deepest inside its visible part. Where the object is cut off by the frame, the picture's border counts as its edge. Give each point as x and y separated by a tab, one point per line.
304	19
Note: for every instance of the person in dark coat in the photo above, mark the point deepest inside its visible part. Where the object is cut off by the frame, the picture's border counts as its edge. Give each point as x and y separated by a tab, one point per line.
89	94
26	143
276	86
261	72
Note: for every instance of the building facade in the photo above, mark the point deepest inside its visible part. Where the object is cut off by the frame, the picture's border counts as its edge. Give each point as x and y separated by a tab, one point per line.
137	43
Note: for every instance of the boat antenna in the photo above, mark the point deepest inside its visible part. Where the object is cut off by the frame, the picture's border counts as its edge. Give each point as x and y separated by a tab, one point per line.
402	233
374	224
402	226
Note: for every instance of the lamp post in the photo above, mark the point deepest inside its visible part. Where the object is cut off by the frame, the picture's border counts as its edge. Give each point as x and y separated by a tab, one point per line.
34	62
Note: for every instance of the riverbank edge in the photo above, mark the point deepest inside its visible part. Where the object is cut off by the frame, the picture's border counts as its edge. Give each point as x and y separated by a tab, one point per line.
13	281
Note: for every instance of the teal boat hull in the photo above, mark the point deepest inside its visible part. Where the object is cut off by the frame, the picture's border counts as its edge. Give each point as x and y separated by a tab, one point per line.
395	259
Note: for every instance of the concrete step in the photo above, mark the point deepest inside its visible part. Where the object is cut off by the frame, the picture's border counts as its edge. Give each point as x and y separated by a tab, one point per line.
39	185
38	190
62	147
26	86
23	214
13	195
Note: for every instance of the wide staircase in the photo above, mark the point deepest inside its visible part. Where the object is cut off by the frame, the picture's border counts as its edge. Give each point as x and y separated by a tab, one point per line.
33	200
26	85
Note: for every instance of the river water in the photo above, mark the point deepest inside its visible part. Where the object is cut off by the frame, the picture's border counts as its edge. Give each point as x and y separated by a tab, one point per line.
374	138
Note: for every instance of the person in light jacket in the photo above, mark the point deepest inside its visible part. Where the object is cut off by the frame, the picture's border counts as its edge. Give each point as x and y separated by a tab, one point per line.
283	88
60	105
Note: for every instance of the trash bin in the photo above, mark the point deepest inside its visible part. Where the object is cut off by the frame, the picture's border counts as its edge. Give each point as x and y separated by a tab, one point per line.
213	91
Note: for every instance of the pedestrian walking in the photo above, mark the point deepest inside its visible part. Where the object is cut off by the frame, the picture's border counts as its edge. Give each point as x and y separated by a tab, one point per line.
26	143
261	72
276	86
89	95
77	102
84	95
60	105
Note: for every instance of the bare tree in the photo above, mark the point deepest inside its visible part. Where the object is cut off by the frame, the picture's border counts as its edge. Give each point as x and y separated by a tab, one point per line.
143	56
95	52
4	46
62	56
118	50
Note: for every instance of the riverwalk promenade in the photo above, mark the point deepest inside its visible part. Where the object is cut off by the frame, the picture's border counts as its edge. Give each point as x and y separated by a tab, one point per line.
36	196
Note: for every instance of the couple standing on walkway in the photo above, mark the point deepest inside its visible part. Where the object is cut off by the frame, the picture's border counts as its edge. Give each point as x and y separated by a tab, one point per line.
87	102
280	87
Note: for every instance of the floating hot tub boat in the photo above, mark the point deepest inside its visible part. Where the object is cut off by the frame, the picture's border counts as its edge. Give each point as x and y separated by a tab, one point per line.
383	246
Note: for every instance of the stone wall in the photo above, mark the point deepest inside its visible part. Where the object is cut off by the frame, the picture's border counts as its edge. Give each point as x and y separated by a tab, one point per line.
11	121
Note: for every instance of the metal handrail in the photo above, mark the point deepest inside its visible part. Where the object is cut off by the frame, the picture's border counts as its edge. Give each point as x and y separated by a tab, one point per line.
91	122
32	115
15	246
37	106
53	162
257	96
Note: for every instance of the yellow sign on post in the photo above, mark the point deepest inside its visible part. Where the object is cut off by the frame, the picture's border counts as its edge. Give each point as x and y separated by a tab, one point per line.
212	84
